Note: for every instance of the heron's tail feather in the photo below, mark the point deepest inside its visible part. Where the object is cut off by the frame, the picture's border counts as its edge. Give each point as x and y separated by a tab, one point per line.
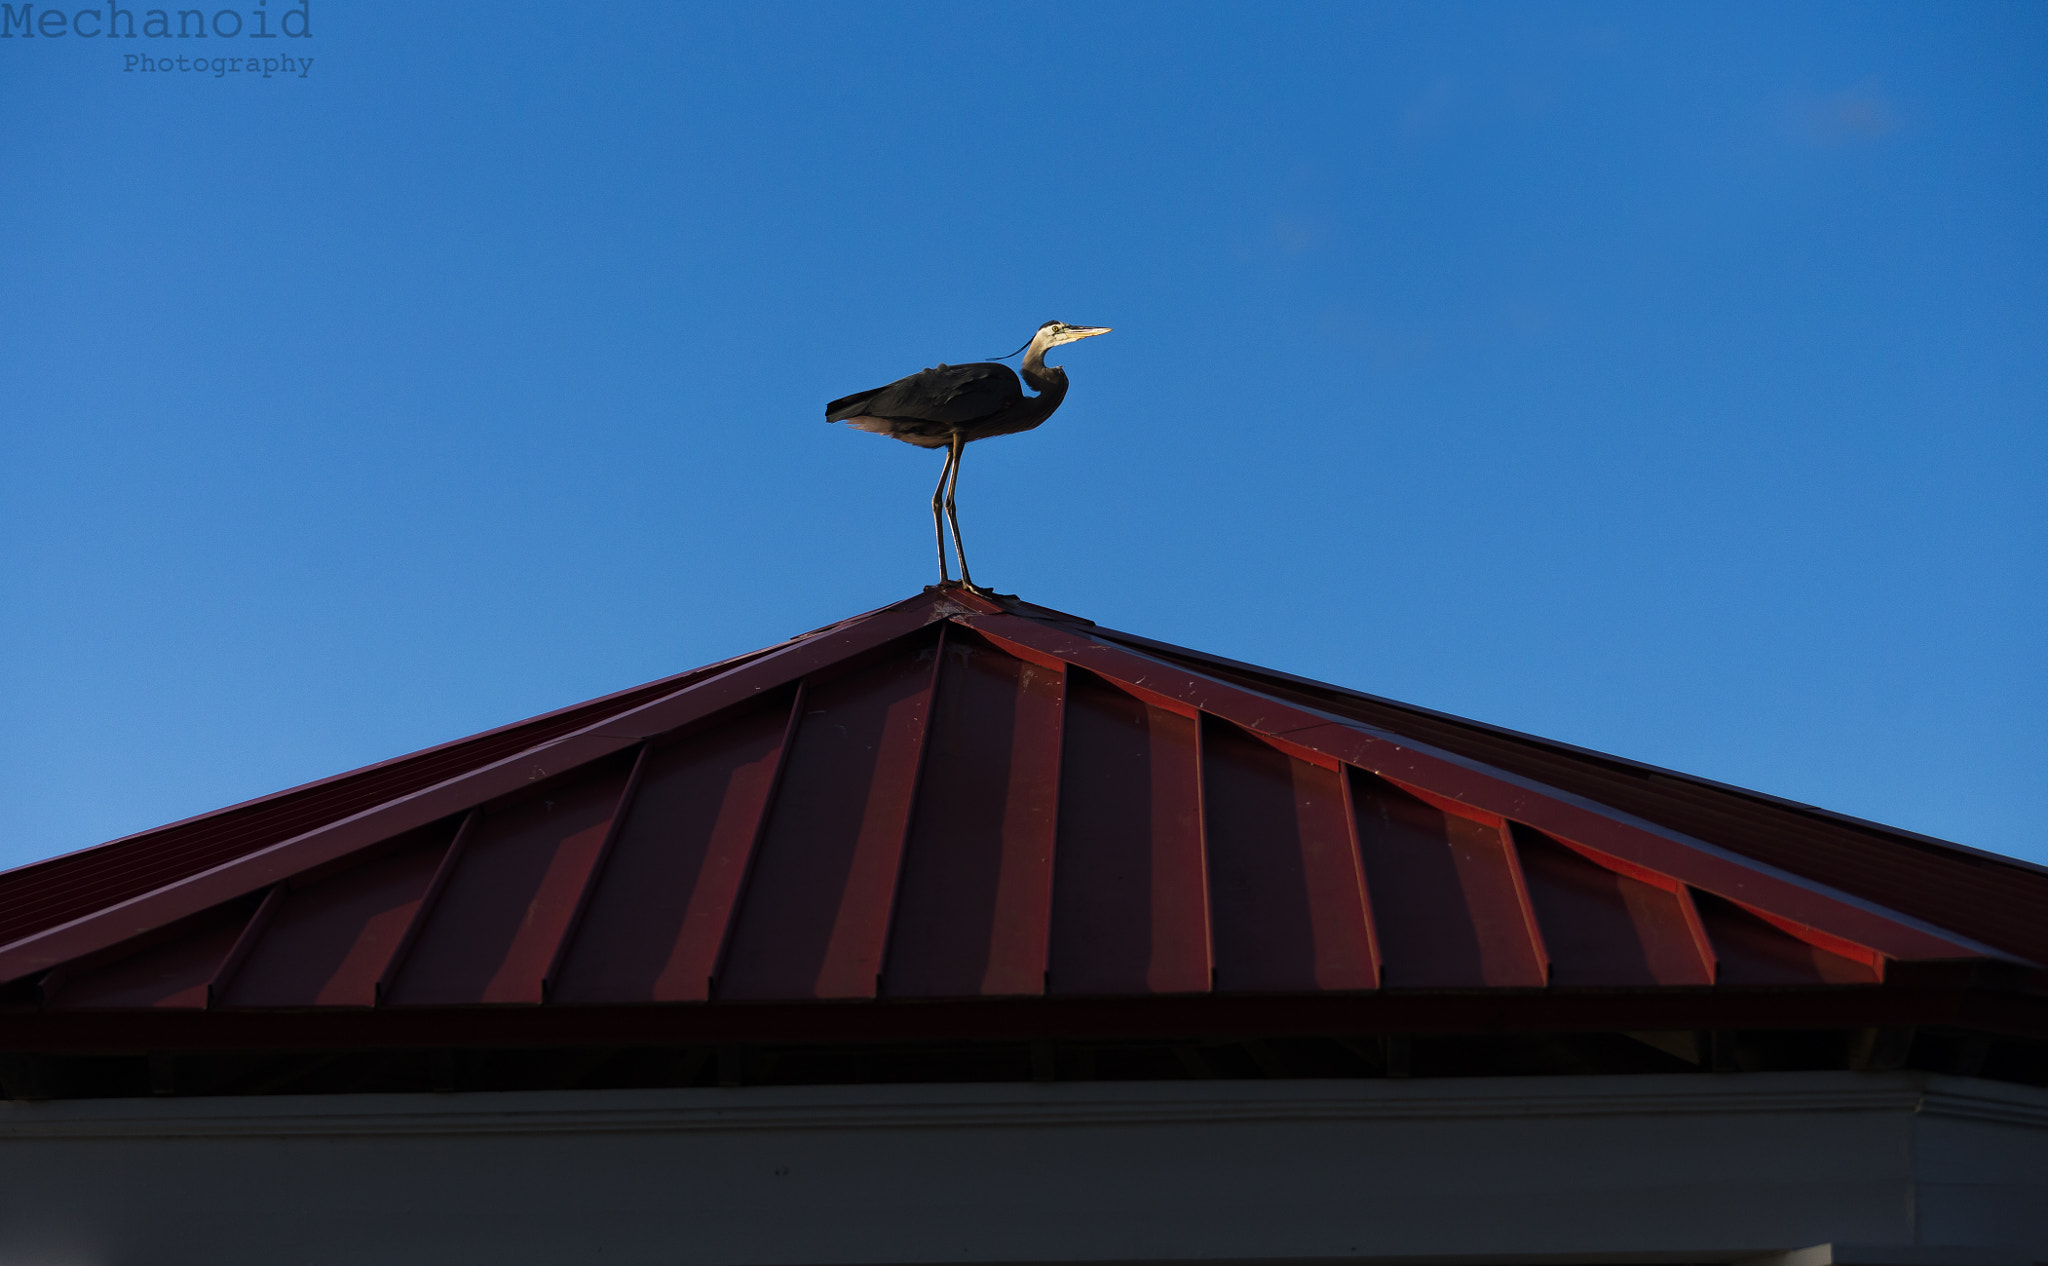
849	406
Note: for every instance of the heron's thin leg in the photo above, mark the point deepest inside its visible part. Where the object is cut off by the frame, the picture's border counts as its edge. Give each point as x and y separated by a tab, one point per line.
953	517
938	524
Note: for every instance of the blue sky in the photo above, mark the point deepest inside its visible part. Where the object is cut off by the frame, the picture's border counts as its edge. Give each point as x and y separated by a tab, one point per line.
1667	379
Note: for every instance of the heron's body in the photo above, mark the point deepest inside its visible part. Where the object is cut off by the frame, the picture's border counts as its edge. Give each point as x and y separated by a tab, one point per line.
948	406
929	408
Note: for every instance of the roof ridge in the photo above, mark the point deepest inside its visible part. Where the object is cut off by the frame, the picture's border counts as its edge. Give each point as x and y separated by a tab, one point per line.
1586	822
1153	645
248	871
676	680
586	711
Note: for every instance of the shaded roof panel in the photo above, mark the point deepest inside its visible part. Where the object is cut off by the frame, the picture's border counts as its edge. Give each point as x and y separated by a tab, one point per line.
960	799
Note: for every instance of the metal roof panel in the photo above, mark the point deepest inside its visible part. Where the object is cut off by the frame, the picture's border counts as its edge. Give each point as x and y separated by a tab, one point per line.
959	801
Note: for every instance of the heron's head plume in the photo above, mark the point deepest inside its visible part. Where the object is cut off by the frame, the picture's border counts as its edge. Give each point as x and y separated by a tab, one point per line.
1054	333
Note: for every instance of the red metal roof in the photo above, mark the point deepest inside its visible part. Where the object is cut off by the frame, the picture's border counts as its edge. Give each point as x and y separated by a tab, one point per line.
970	801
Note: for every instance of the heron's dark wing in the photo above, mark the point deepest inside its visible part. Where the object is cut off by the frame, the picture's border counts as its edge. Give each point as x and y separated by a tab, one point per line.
947	394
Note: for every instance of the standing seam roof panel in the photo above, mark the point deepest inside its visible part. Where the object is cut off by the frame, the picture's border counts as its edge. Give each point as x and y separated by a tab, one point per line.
939	802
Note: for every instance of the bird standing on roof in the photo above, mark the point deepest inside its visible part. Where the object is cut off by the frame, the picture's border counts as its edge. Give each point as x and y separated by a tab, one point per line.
948	406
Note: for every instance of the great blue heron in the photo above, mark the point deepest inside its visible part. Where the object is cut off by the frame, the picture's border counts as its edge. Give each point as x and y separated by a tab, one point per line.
949	406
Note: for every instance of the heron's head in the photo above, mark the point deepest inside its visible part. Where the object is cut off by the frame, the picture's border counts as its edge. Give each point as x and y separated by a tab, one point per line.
1054	333
1051	335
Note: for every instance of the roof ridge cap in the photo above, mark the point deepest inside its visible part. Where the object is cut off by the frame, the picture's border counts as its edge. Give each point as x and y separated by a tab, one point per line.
700	672
391	762
459	792
1143	644
1571	800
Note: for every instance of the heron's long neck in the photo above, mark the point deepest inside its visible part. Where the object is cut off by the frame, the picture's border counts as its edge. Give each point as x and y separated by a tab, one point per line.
1049	381
1045	381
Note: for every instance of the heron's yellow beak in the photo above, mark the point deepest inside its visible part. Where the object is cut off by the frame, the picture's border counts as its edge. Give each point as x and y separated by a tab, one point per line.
1075	333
